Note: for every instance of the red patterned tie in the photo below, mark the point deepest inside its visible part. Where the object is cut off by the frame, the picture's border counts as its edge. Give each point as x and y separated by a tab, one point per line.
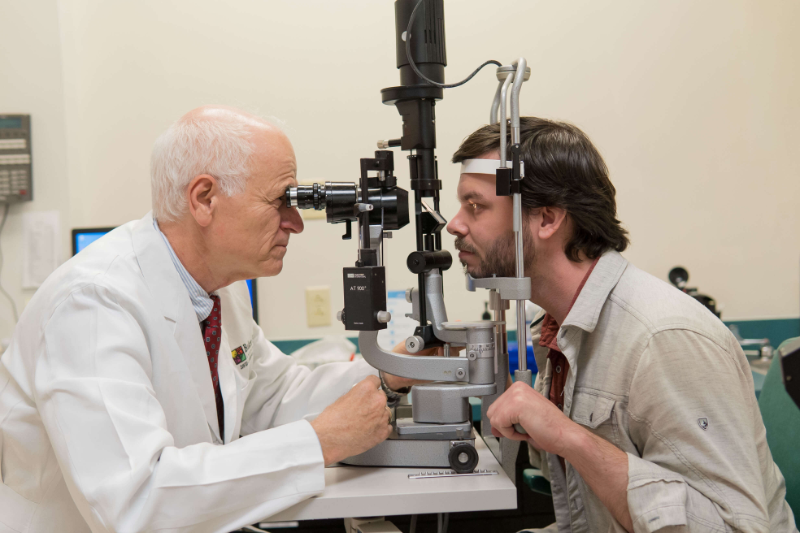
212	333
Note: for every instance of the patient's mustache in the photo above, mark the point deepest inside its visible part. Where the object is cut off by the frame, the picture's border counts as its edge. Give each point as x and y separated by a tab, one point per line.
462	246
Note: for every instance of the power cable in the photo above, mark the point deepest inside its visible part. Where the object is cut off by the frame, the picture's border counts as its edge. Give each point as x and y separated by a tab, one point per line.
420	74
2	290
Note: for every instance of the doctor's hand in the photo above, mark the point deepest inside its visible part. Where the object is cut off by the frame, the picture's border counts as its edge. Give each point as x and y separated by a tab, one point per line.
354	423
547	427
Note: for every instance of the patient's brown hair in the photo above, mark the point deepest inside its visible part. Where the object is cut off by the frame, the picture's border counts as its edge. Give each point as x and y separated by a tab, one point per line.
562	169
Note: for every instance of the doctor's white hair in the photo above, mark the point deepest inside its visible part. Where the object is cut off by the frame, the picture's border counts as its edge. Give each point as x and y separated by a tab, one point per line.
194	146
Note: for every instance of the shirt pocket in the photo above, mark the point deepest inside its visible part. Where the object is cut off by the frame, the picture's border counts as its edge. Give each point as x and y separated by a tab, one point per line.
596	413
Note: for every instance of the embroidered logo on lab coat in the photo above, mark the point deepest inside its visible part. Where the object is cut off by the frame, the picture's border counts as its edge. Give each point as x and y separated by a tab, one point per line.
703	423
240	354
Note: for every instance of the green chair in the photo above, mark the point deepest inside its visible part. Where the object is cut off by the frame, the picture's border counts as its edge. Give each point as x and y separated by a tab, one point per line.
782	420
536	481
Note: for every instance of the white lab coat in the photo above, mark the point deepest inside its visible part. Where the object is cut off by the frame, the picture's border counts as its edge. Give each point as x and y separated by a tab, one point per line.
107	412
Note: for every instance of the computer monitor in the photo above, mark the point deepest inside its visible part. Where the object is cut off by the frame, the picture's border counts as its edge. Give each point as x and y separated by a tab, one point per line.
252	285
83	237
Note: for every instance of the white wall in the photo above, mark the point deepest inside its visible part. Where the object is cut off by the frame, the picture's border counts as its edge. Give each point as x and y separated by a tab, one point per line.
31	83
693	105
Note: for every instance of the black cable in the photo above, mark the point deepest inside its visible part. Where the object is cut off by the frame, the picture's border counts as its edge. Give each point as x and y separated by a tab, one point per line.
413	527
421	75
2	290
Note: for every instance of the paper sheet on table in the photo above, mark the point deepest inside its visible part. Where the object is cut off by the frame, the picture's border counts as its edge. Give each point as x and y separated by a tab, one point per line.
41	245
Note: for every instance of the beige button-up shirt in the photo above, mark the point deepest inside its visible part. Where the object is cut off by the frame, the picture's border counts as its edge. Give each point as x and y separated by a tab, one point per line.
660	377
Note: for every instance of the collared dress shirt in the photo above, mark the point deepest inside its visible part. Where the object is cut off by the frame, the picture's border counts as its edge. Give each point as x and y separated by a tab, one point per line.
656	374
201	301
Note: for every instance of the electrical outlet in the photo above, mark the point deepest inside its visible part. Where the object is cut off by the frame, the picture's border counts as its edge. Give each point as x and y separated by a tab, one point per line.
318	306
312	214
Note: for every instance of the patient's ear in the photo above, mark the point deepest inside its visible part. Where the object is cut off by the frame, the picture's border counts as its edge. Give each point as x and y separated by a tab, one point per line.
549	221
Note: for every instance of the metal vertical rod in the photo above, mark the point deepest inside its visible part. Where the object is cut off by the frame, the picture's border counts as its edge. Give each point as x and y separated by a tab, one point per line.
504	121
418	220
522	335
519	79
423	311
363	217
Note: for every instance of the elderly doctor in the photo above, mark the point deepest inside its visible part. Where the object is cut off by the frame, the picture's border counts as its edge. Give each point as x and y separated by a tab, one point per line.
139	357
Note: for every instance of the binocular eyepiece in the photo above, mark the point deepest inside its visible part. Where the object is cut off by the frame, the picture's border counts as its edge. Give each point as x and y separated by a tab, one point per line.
341	202
317	196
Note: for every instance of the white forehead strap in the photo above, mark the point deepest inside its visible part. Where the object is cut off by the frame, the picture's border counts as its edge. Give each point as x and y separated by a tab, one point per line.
486	166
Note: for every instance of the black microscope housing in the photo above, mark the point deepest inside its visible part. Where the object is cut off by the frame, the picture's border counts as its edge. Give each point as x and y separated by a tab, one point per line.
376	200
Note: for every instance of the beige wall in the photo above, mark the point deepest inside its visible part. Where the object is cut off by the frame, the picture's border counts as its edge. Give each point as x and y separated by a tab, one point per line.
31	83
693	105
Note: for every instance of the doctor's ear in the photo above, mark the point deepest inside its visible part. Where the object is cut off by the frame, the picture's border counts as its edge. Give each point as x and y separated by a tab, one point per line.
547	221
203	195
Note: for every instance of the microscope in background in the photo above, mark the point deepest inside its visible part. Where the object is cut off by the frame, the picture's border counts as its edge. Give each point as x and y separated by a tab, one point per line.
439	434
679	277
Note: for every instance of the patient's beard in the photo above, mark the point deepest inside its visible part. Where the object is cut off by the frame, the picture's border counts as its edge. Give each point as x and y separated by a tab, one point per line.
499	259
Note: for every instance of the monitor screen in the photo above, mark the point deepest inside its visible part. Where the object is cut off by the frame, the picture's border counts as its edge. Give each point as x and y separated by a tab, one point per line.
81	238
253	287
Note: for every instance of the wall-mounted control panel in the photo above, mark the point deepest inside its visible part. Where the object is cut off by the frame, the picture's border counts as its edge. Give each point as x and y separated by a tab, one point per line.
16	177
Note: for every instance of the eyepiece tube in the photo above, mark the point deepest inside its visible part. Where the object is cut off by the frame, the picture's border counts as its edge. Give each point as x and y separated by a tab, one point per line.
337	199
306	197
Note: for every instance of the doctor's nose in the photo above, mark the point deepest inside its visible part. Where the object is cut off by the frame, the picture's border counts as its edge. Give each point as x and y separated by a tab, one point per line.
291	221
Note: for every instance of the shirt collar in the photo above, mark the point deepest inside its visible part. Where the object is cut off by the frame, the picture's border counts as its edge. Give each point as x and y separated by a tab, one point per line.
550	326
201	301
585	311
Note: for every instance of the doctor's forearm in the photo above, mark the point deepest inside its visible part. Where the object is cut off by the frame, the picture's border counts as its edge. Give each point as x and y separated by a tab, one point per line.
604	467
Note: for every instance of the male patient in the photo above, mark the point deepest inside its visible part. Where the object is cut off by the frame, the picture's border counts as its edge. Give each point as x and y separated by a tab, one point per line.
138	358
643	410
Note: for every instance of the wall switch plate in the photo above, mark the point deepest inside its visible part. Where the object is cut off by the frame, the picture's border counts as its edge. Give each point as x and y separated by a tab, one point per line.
312	214
318	306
